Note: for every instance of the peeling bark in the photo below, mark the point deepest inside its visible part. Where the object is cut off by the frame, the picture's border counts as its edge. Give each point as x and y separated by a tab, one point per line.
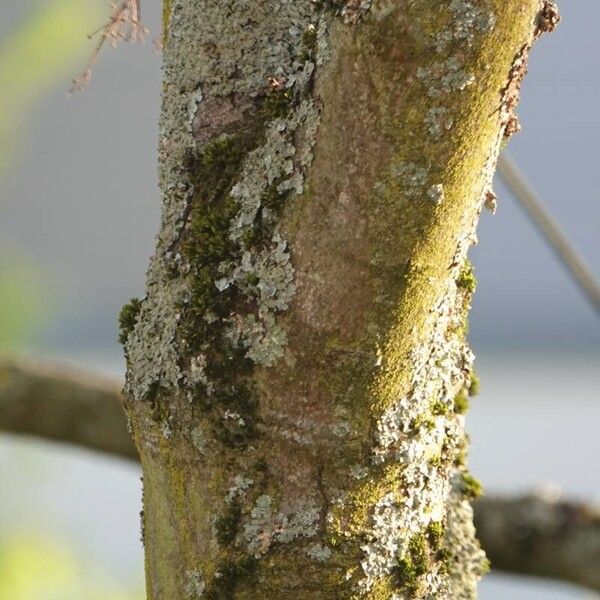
297	371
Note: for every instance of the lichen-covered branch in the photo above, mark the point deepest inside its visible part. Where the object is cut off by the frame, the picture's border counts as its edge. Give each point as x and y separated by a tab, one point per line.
60	404
542	535
531	535
298	369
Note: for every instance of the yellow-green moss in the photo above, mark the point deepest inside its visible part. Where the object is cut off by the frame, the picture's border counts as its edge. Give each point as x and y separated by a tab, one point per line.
466	280
474	384
127	319
461	402
166	19
435	534
470	486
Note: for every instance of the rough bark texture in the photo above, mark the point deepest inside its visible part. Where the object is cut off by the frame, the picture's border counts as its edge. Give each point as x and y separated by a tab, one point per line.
298	370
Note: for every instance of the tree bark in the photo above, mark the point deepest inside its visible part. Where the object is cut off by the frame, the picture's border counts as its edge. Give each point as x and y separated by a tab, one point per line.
298	369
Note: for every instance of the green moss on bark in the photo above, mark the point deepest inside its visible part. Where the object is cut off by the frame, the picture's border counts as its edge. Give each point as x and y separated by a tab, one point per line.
127	319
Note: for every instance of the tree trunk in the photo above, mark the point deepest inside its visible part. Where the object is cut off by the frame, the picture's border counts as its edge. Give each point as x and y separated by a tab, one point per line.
298	370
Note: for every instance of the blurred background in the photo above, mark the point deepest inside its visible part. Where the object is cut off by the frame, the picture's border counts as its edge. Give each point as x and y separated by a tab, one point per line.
79	209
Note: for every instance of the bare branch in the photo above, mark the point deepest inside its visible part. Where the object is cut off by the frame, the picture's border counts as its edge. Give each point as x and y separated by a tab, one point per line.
550	229
124	25
541	535
61	405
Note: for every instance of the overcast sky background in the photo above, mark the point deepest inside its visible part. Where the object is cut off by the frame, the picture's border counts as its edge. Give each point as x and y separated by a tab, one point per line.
82	206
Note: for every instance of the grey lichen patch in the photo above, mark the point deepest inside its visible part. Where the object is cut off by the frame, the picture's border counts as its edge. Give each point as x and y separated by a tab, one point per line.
438	120
194	585
468	20
413	180
202	99
197	374
410	432
273	49
468	561
263	340
195	100
341	429
265	526
436	193
267	276
443	77
323	52
151	346
319	552
411	176
359	471
263	274
424	434
199	439
239	488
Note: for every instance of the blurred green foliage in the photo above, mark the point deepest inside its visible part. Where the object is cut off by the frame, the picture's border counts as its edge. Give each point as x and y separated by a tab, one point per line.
23	303
43	49
48	45
32	568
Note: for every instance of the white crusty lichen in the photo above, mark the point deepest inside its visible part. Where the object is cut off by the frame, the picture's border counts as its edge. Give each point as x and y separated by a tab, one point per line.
411	434
443	77
151	352
197	374
413	177
273	48
436	193
468	20
263	339
265	527
265	275
438	120
194	584
239	488
319	552
199	439
461	539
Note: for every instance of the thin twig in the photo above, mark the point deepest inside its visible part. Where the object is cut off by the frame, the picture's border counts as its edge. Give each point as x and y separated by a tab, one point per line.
550	229
124	25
